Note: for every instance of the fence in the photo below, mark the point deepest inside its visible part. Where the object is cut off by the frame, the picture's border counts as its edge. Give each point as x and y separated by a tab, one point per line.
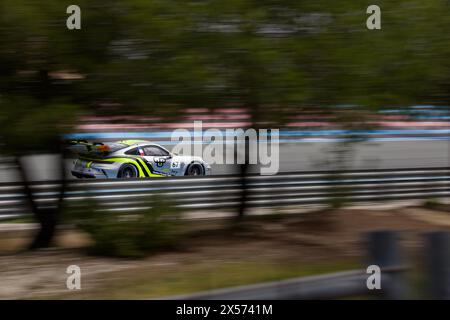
383	250
213	192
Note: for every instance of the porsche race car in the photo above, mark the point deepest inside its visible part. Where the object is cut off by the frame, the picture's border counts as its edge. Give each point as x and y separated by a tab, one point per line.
132	159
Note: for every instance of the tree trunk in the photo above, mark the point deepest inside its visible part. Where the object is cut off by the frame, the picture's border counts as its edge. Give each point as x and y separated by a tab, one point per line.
245	168
243	172
47	217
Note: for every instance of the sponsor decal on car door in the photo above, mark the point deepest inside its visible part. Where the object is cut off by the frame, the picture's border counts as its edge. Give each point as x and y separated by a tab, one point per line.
158	158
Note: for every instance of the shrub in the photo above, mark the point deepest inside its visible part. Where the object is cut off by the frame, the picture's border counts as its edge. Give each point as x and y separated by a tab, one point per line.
431	203
116	233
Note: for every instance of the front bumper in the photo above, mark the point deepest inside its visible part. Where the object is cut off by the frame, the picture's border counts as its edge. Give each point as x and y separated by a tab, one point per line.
81	175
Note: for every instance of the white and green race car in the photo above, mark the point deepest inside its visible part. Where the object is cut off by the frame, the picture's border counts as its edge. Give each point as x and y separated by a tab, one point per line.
132	159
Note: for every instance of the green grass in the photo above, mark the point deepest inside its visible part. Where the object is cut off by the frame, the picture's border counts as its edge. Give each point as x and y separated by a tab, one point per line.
151	282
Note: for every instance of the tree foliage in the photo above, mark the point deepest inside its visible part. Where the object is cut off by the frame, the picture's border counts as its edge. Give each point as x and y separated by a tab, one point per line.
158	56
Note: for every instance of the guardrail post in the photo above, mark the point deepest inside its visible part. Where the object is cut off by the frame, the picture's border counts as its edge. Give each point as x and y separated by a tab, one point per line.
385	252
437	254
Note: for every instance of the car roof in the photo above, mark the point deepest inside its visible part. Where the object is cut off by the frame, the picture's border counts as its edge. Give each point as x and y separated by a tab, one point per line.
136	143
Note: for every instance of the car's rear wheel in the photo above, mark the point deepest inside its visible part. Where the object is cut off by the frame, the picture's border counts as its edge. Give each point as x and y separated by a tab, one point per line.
194	169
127	171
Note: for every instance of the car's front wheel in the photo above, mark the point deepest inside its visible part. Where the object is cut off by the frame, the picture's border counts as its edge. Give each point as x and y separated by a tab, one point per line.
194	169
127	171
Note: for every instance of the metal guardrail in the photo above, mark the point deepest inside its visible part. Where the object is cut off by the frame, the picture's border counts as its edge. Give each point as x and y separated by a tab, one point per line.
384	251
214	192
333	285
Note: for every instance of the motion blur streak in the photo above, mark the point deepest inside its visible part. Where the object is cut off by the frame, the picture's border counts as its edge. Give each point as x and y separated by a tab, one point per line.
345	97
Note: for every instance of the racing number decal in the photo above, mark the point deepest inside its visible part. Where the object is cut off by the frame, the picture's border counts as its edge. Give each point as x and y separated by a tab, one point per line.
175	165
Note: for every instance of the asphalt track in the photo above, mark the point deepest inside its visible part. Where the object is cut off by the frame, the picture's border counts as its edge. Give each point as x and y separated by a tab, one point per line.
303	156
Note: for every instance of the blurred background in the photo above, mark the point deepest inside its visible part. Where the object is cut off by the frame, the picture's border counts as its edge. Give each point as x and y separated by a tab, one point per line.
364	141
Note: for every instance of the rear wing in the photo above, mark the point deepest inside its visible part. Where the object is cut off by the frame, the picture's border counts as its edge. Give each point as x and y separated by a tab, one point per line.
83	146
